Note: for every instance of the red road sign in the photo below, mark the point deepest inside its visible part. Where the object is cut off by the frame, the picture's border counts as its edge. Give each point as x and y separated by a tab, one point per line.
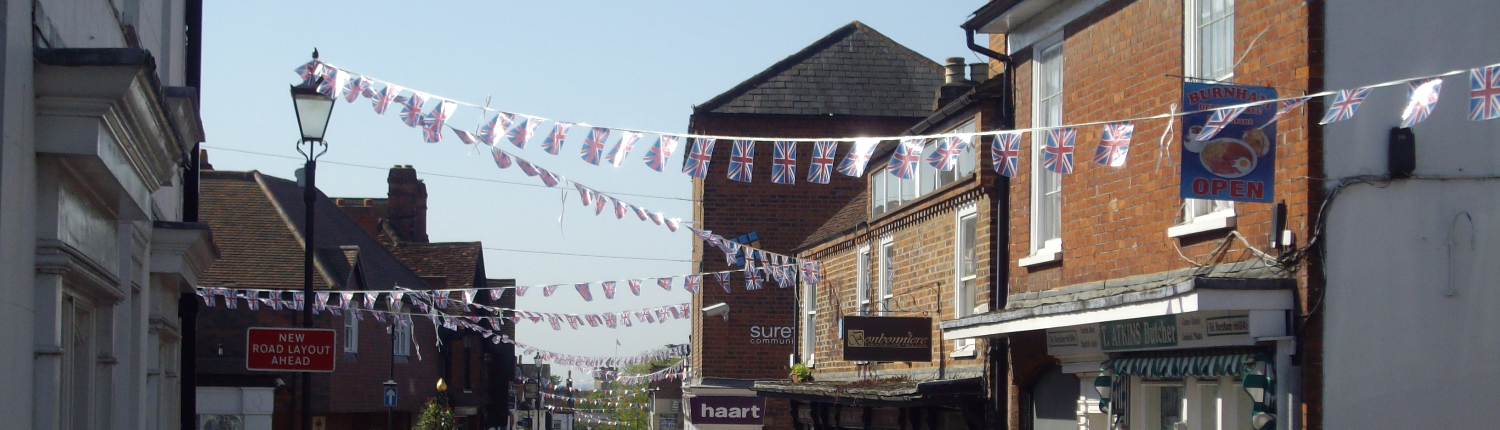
290	349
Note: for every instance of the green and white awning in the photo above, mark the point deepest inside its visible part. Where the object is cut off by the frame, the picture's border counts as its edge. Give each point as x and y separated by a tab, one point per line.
1186	366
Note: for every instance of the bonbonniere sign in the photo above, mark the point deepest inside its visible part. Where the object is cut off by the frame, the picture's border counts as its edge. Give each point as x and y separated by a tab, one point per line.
727	410
869	338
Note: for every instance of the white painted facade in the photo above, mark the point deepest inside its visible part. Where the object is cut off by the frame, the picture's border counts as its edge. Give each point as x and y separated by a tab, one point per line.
92	249
1412	310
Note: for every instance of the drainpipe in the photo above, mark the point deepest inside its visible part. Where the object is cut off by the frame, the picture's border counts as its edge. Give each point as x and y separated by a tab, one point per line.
187	400
1000	253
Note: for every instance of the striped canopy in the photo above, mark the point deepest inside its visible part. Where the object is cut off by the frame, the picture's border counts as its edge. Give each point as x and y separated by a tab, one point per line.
1196	366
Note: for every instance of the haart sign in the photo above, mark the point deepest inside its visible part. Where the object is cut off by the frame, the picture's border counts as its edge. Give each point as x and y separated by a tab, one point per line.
290	349
727	410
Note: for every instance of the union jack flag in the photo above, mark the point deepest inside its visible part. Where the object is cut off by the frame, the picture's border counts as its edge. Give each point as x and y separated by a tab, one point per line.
370	300
1218	120
1345	103
619	208
1004	152
1423	94
548	178
723	278
382	97
519	132
691	283
701	234
585	195
502	160
641	212
664	283
528	168
784	162
556	324
583	290
903	163
598	203
742	160
547	290
672	224
609	289
393	299
309	71
752	276
625	318
346	299
593	146
609	320
252	302
635	286
1484	93
355	87
411	109
432	123
332	84
656	217
945	157
1114	144
487	130
554	142
656	157
464	136
821	169
855	161
696	164
1057	156
622	147
1286	107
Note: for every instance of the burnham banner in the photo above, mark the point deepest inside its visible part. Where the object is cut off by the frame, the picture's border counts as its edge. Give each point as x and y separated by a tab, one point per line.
1226	154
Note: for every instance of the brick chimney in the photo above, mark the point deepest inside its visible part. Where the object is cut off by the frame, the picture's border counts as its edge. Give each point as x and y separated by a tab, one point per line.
407	204
954	84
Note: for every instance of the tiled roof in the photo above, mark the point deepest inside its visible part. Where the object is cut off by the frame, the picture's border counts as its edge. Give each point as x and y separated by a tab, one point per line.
853	71
841	222
457	261
259	219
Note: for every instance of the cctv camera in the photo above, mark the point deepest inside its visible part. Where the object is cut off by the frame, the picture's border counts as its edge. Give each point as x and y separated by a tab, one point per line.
719	310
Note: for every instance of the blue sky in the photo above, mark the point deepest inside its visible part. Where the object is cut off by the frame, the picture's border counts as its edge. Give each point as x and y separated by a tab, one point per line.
639	65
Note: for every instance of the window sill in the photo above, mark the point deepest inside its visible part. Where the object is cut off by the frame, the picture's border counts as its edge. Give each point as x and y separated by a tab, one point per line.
1202	224
1041	256
967	352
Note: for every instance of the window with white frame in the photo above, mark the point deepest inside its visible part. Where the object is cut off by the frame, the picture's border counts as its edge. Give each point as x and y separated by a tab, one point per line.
351	333
809	323
1208	51
862	291
966	270
887	273
403	338
1046	187
888	191
1190	403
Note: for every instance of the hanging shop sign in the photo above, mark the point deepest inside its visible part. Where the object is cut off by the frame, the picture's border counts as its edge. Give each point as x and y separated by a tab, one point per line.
1190	330
1228	153
727	410
868	338
290	349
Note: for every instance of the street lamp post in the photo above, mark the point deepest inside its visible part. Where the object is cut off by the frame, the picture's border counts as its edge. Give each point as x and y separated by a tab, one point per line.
313	110
536	398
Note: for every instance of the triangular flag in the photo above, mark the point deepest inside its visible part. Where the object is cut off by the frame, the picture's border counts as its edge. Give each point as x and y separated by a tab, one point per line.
855	161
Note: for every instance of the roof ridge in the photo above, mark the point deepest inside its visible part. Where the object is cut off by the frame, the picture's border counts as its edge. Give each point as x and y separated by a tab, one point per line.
291	226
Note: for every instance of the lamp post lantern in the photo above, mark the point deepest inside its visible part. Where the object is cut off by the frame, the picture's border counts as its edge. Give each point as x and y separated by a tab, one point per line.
313	111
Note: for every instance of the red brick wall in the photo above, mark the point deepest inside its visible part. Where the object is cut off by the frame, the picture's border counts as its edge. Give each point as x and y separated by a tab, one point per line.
1114	220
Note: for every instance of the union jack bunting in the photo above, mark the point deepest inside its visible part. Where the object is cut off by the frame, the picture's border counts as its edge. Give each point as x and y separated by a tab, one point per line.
370	300
520	131
1004	152
752	276
1221	118
598	203
641	212
812	271
381	98
945	157
502	160
1423	96
691	283
742	160
723	278
333	81
432	123
1345	103
393	299
231	301
635	286
309	71
1057	156
1114	144
664	283
547	290
573	321
464	136
696	164
411	109
585	195
1286	106
855	161
619	208
489	129
583	290
1484	93
784	162
355	87
623	147
553	320
786	279
701	234
625	319
656	157
495	293
656	217
554	142
320	301
548	178
821	169
593	146
345	299
609	289
528	168
672	224
252	303
903	163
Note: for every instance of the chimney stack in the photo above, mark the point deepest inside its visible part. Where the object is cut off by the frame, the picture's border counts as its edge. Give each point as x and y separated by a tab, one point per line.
979	72
406	203
955	68
954	84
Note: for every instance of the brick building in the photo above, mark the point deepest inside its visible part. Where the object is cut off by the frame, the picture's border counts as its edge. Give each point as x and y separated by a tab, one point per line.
262	247
1103	251
853	82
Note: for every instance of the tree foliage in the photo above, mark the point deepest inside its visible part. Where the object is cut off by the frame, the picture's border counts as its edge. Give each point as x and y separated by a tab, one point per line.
436	416
628	412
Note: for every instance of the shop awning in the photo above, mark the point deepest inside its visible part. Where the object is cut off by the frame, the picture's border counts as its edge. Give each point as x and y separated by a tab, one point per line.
1183	366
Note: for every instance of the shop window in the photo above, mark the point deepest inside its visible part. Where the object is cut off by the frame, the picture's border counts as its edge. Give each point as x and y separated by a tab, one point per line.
1054	401
1190	403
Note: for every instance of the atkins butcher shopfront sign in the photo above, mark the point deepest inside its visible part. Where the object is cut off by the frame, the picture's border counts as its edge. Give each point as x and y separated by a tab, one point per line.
887	338
1190	330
